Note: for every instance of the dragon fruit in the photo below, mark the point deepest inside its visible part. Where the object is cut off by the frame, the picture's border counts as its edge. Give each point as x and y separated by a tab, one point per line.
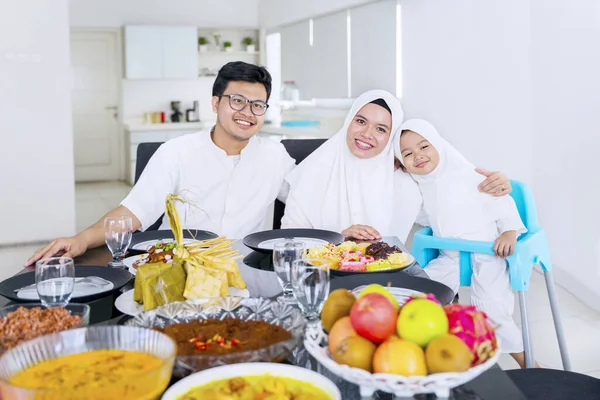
474	328
428	296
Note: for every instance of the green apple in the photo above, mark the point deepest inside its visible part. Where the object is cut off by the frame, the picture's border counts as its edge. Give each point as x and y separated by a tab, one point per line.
420	321
377	288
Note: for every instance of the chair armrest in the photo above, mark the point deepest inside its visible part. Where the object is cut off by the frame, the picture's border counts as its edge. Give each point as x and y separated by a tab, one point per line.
426	240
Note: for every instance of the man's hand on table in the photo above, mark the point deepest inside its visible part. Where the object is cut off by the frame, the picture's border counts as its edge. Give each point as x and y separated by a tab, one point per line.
88	239
68	247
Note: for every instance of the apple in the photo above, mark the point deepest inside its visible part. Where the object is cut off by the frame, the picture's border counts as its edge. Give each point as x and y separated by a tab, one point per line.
420	321
377	288
374	317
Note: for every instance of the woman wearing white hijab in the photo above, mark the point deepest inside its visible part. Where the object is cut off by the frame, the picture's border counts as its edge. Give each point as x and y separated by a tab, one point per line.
348	184
455	209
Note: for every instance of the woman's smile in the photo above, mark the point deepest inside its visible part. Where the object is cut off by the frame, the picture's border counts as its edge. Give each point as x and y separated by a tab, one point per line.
363	145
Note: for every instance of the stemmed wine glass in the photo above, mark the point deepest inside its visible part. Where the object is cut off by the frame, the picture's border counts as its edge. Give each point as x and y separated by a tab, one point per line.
284	254
117	235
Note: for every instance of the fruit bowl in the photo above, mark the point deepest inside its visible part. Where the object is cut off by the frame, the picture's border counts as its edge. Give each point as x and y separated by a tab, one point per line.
316	342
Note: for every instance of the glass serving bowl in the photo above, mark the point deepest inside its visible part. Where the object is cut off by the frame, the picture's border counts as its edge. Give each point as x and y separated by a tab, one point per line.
288	317
141	385
82	310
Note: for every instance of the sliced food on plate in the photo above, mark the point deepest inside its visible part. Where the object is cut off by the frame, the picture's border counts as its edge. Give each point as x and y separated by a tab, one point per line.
362	257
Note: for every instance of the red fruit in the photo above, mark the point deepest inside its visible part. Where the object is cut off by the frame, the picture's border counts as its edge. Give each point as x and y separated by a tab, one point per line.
474	328
374	317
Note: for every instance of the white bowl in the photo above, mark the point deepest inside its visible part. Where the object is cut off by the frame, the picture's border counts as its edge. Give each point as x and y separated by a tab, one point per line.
251	369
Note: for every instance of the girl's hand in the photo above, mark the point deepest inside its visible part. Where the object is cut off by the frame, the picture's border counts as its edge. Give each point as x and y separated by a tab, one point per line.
496	183
505	244
361	232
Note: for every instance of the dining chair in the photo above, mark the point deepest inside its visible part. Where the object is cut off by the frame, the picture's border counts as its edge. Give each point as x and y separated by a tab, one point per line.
531	249
298	149
145	151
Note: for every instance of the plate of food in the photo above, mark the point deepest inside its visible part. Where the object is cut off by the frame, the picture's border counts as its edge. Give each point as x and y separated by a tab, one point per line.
406	348
174	272
142	241
226	330
161	251
126	304
350	258
267	380
264	242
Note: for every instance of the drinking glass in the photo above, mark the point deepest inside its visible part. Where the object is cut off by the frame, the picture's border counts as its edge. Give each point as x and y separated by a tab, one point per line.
284	254
55	280
310	282
117	235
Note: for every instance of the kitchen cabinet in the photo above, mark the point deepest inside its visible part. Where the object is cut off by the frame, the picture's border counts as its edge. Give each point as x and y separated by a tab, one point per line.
161	52
136	134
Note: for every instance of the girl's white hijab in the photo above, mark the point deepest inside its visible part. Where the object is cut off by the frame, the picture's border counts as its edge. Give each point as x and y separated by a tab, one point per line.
450	158
335	189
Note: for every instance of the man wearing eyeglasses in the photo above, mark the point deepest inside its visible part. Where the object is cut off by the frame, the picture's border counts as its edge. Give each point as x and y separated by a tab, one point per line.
228	176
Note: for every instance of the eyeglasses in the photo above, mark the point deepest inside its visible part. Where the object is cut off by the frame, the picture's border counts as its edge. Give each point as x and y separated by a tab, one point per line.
238	103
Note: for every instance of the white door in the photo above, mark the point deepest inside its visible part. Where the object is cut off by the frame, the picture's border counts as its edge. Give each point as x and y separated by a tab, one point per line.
96	74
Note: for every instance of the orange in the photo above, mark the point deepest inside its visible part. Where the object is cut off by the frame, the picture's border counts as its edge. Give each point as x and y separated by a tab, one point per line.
399	357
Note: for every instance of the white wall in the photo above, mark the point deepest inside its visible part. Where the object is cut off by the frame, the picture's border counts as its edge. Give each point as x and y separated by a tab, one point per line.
515	86
274	13
566	104
141	96
37	199
373	47
207	13
466	69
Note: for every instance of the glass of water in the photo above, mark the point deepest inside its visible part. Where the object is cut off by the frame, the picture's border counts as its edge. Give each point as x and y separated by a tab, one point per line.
310	282
55	280
284	254
117	235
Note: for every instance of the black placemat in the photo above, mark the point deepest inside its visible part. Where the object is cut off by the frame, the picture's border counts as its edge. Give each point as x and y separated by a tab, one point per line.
119	278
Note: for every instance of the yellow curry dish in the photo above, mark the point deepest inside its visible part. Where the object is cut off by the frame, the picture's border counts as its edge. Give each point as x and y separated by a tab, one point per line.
98	374
265	387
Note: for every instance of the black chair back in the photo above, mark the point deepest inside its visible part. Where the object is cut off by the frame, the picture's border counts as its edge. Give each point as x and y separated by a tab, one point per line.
145	151
298	149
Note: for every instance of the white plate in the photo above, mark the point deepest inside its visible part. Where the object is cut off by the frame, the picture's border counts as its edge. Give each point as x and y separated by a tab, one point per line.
80	290
309	243
400	294
127	305
148	243
251	369
130	260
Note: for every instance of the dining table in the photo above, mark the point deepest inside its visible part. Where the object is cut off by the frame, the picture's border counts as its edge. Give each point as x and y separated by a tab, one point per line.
493	384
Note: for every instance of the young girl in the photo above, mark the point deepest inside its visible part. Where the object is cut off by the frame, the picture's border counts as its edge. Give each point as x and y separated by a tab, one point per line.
455	209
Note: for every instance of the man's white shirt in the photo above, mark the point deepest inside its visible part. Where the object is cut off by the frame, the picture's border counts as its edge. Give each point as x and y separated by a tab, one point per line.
228	195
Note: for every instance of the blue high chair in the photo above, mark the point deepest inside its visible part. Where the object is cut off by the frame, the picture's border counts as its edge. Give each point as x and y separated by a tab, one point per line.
531	249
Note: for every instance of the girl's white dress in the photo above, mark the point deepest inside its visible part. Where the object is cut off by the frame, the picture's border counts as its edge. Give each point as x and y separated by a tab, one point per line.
454	208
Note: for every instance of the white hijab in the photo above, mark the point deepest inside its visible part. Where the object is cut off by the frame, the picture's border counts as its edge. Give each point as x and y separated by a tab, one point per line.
452	202
335	189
